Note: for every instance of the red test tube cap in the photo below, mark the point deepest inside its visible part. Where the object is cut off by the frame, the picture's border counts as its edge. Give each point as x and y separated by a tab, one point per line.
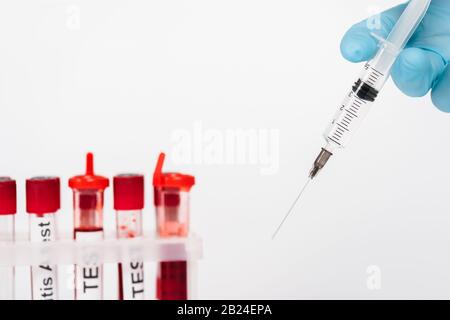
128	192
89	181
180	181
169	180
43	195
8	204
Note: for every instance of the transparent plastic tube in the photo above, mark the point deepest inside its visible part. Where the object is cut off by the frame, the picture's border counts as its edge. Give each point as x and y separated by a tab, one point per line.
172	216
8	209
7	272
43	203
131	274
171	199
172	212
88	190
128	203
88	226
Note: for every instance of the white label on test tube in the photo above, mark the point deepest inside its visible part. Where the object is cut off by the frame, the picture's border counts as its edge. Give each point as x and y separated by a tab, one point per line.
89	276
133	280
43	276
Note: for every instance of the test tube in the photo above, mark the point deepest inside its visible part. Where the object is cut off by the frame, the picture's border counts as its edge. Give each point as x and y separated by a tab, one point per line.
88	190
8	210
128	203
43	202
171	199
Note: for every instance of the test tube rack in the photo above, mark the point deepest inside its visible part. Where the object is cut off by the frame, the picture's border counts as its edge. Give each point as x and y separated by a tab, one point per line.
69	252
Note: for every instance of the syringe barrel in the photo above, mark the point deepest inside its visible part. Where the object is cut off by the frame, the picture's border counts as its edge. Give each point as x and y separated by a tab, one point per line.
407	24
350	115
376	72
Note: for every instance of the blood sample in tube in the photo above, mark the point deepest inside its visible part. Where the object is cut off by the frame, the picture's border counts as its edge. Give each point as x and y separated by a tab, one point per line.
128	203
43	202
8	211
88	191
171	199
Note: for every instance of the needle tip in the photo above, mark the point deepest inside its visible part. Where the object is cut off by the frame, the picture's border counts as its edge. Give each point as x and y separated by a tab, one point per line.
291	208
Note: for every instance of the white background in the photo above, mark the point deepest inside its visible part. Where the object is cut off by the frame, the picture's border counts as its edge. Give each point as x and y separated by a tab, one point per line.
136	71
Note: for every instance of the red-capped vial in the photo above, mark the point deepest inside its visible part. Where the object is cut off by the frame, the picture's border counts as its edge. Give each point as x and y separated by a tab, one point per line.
171	199
88	191
128	203
43	202
8	211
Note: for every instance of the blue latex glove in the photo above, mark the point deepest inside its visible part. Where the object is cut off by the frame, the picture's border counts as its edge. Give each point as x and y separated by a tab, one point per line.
424	64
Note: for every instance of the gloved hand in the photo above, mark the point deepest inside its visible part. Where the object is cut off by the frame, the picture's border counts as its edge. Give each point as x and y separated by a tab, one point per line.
423	64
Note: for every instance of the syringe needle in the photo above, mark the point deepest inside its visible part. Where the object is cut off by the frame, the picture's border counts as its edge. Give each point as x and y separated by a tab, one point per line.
291	208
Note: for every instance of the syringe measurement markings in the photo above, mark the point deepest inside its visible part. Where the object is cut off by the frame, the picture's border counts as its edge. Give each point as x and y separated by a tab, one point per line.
346	121
349	120
378	72
348	116
359	99
352	113
374	76
349	113
344	124
342	127
331	138
340	131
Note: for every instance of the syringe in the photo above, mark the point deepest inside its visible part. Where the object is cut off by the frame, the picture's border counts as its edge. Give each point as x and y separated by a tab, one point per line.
365	90
372	79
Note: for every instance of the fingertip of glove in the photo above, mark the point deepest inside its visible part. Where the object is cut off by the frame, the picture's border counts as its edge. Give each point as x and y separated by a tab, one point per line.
356	47
414	61
441	93
413	73
442	103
